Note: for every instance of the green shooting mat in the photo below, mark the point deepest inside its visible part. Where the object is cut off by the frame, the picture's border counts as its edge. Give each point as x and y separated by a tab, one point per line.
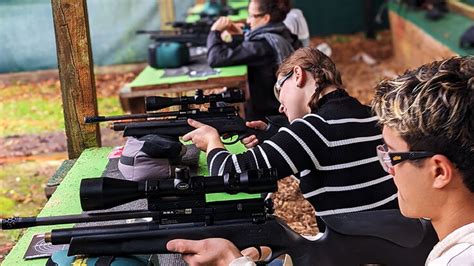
151	76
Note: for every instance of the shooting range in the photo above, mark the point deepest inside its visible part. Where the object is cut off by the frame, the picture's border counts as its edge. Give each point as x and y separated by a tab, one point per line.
82	82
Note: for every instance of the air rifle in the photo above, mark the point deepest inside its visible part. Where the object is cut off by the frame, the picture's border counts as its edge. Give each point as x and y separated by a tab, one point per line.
225	119
191	39
170	48
191	33
180	208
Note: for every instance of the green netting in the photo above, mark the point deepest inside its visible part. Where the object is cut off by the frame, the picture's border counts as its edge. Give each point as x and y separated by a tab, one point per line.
27	39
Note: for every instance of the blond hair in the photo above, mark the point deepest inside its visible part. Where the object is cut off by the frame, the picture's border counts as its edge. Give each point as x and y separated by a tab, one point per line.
432	109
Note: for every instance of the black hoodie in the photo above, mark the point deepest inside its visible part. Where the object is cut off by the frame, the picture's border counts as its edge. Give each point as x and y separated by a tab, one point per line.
256	52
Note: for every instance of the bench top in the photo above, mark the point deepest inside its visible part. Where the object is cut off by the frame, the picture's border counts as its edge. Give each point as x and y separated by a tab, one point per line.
446	30
151	76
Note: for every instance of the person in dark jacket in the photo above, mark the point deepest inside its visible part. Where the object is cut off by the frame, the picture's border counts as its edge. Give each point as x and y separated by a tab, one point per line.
263	48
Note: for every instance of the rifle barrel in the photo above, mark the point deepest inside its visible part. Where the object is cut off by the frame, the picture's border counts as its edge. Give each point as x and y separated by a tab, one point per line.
98	119
24	222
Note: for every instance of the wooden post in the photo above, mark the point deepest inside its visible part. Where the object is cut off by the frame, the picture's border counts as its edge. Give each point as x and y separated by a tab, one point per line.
166	12
76	73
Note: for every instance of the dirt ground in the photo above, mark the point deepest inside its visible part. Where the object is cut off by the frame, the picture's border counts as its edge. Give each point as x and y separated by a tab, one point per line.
362	63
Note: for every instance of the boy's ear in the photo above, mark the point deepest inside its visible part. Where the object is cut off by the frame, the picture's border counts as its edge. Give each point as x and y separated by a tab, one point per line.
443	170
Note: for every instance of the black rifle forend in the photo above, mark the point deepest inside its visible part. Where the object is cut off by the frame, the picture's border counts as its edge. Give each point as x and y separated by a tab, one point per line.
195	39
194	33
201	26
122	240
227	125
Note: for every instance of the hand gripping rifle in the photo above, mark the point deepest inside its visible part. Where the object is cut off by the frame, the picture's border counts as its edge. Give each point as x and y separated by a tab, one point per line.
181	208
225	119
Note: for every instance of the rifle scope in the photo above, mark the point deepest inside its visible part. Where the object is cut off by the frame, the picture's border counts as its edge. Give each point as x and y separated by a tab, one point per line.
203	25
154	103
103	193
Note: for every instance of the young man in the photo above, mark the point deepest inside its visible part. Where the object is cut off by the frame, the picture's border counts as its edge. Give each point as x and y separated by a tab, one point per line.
428	128
264	47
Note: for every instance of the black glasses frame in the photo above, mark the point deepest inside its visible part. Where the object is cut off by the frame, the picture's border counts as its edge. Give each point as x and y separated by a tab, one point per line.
389	159
279	83
257	15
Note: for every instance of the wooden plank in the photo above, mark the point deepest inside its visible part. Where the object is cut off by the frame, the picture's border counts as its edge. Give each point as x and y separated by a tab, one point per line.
166	12
76	74
412	46
461	8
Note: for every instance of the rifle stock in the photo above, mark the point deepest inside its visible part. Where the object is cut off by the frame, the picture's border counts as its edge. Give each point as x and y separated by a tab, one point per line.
273	233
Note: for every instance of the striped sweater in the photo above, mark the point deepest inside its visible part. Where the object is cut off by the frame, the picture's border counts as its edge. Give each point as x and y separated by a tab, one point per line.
333	154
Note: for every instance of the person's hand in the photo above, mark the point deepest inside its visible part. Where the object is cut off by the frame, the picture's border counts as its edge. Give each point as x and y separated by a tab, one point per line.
211	251
205	137
221	24
235	28
252	141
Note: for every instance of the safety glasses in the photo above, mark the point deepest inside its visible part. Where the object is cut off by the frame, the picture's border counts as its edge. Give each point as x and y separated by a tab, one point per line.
389	159
279	84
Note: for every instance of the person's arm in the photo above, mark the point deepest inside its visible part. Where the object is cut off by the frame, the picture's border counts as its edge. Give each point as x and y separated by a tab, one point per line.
221	54
293	149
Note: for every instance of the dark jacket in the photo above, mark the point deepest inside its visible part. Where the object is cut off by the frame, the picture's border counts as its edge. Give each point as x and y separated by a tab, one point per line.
256	52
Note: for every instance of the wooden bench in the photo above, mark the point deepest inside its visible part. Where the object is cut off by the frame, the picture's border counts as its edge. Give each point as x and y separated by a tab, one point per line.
418	40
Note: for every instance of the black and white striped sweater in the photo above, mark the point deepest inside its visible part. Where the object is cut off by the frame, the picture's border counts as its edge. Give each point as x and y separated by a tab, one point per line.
332	152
